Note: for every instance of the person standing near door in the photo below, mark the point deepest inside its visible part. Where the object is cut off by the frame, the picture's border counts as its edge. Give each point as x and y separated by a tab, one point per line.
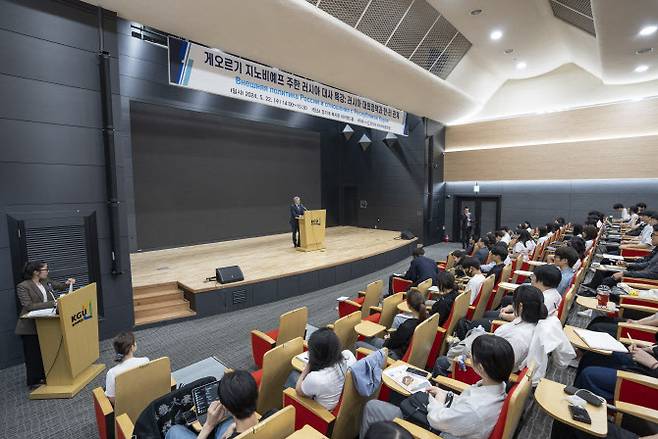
297	210
466	222
37	291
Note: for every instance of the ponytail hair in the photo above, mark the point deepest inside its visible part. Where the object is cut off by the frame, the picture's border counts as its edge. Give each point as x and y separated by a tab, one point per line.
416	302
532	300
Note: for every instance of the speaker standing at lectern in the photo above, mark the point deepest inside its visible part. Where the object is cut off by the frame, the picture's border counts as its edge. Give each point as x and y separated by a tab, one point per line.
297	210
37	291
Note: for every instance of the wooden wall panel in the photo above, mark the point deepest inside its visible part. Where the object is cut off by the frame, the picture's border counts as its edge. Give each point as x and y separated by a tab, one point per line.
612	158
625	119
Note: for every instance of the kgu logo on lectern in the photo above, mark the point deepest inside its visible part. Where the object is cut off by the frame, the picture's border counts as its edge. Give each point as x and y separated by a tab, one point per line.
315	222
81	316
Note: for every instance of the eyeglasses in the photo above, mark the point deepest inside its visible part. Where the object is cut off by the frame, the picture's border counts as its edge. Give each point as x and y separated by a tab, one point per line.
44	269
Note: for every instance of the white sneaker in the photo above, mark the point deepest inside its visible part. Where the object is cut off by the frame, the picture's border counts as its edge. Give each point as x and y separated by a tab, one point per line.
586	313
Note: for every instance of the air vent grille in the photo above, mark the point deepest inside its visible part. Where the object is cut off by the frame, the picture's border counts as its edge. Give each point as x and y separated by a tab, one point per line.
239	297
575	12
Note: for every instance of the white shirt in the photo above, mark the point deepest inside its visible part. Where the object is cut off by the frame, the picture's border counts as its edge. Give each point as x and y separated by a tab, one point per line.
472	415
645	235
474	285
325	386
634	218
577	265
624	214
43	291
552	299
542	239
519	334
525	250
117	370
588	244
506	238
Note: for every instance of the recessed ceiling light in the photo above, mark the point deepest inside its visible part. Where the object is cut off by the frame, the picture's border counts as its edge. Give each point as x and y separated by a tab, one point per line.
476	11
644	50
642	68
508	51
648	30
496	35
521	65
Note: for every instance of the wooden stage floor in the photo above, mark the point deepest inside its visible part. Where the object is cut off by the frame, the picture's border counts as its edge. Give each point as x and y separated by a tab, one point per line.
261	258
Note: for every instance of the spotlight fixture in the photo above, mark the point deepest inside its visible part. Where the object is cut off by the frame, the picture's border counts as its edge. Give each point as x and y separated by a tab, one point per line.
644	50
648	30
496	35
521	65
365	142
508	51
347	132
642	68
476	11
390	139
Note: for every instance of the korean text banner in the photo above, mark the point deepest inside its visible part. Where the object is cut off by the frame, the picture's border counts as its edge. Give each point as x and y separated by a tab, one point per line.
195	66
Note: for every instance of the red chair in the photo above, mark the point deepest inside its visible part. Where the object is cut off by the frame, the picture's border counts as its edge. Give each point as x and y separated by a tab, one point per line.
476	310
385	314
636	395
637	304
457	312
291	325
633	333
362	303
400	285
628	252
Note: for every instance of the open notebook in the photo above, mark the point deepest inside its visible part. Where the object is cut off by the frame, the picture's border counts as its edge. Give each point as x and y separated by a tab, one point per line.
600	340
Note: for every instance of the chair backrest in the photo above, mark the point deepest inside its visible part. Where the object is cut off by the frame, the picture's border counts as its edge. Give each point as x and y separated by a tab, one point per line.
512	409
565	305
292	325
424	287
390	309
350	412
458	311
276	368
344	329
278	426
136	388
494	300
124	427
421	342
516	265
373	294
450	262
483	296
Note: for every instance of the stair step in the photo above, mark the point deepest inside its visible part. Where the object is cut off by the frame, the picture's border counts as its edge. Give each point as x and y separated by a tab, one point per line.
157	296
162	307
147	289
164	317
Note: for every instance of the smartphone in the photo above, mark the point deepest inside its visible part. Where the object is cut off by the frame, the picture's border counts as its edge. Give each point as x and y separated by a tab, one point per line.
570	390
421	373
579	414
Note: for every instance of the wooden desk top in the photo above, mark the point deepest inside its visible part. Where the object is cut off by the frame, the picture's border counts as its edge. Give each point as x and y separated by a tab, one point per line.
523	272
536	263
592	303
578	342
297	364
508	286
392	384
307	432
369	329
551	398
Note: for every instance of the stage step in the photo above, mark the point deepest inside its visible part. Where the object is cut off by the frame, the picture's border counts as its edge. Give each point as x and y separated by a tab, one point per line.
156	303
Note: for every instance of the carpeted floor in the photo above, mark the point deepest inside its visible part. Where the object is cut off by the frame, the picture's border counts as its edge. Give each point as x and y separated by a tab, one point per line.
226	336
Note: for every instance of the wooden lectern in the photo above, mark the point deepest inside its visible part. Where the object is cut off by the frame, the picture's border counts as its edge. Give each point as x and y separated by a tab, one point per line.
69	345
311	230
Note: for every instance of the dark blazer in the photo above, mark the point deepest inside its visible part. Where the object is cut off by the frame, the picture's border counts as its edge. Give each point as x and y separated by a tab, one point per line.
496	270
443	305
464	221
296	211
422	268
31	298
644	270
400	339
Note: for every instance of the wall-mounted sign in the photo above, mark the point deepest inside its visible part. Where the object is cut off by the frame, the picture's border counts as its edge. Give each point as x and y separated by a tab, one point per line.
198	67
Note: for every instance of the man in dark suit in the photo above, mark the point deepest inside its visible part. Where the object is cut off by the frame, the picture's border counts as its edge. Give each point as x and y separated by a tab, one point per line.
420	269
466	225
37	291
297	210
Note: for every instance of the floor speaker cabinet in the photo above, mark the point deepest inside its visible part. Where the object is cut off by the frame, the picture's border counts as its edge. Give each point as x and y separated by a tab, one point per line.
227	275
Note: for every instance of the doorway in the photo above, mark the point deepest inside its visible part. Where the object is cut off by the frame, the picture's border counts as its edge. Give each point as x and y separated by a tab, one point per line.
486	214
349	212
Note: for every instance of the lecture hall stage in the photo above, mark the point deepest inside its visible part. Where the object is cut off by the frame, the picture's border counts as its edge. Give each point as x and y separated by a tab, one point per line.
272	268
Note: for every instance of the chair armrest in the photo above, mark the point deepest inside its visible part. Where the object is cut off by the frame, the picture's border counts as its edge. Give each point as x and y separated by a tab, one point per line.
497	324
173	383
452	384
364	352
415	431
637	411
639	285
102	400
351	302
638	326
361	293
637	378
641	308
330	326
314	407
375	309
266	338
125	425
347	307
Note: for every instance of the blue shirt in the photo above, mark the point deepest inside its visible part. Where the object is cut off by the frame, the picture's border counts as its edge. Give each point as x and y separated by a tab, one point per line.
567	275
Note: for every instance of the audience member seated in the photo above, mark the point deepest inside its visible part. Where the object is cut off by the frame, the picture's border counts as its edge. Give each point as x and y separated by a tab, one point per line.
598	373
472	414
577	243
589	235
565	258
448	292
547	279
634	217
387	430
124	347
499	258
420	269
525	245
471	267
234	413
650	218
622	211
399	340
527	309
577	230
542	235
504	234
483	246
324	376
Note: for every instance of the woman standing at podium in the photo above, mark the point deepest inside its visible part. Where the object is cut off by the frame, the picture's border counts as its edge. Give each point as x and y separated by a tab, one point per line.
37	291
